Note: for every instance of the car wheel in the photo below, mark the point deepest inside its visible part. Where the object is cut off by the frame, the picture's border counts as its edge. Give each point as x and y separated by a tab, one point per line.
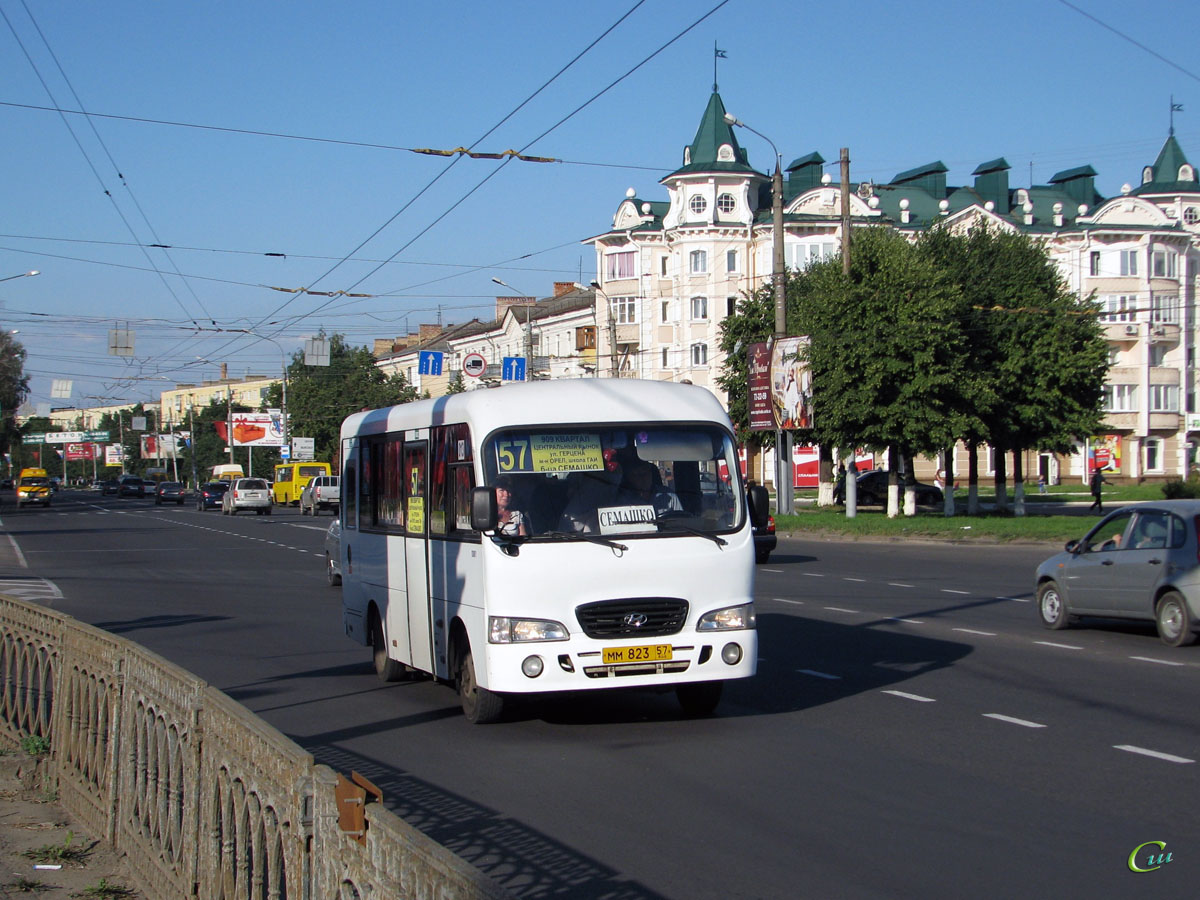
699	699
386	668
179	502
331	574
233	510
762	557
479	705
1173	620
269	510
866	498
1052	609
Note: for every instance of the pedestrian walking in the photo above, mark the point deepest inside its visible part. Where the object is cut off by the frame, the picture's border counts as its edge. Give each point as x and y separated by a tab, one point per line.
1098	479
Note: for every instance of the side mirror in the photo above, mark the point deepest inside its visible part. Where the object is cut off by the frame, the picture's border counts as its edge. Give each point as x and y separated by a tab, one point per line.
485	515
1072	547
759	501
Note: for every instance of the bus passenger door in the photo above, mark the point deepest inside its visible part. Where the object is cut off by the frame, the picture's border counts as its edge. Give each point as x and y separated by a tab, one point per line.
416	554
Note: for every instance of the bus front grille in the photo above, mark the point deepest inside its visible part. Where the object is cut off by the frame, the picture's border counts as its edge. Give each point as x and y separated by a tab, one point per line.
632	617
627	669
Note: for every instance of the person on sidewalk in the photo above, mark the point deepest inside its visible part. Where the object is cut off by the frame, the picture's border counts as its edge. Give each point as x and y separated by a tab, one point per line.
1098	479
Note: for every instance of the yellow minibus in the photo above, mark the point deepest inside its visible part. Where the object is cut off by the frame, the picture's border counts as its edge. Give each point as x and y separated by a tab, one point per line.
292	477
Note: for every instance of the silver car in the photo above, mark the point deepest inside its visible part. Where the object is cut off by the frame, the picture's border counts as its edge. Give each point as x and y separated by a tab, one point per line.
1140	562
333	553
247	494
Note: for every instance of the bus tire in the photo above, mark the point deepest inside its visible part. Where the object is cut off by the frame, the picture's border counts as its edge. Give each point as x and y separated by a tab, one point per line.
386	668
700	699
480	706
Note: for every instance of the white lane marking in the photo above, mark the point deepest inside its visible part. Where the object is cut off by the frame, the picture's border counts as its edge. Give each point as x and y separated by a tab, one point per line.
1161	662
1060	646
786	600
863	580
816	674
898	584
841	609
16	550
813	575
36	590
916	697
1024	722
949	591
1129	748
908	621
1015	599
775	571
973	631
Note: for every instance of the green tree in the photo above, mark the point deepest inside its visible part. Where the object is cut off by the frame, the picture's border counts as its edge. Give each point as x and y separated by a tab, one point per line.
14	388
457	385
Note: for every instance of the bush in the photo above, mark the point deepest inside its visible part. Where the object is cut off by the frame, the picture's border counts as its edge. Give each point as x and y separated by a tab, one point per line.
1178	489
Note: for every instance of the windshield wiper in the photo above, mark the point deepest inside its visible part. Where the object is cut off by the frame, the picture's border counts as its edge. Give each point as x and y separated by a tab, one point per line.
584	536
670	524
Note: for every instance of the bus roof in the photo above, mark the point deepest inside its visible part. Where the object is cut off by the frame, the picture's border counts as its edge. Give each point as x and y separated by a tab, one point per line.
560	402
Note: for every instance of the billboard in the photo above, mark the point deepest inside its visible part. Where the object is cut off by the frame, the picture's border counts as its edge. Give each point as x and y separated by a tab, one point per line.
160	446
254	429
77	452
780	386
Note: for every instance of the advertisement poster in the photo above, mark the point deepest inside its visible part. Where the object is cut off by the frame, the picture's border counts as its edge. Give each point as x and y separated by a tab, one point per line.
81	452
254	429
113	455
791	385
160	446
758	383
1104	452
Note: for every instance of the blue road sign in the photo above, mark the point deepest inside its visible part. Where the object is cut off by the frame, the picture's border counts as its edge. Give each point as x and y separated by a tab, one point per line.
430	362
514	369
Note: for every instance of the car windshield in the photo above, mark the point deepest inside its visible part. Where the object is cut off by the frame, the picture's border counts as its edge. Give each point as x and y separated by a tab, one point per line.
568	483
252	484
170	486
34	481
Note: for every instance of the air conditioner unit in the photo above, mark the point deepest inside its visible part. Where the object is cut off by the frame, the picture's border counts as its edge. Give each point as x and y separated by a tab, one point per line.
1131	329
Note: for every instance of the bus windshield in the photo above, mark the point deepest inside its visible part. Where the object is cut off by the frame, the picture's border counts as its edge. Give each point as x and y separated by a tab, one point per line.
558	483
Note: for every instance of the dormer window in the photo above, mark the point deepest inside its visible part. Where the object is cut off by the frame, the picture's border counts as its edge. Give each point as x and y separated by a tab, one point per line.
726	204
698	204
725	153
1187	173
1147	174
1191	215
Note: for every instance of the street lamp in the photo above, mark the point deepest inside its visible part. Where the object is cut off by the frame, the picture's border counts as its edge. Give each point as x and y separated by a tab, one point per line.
783	439
28	274
528	328
612	334
283	404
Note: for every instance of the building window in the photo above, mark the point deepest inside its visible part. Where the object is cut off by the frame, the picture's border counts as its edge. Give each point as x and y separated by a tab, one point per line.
699	354
1164	398
1120	398
1154	454
619	265
726	204
699	308
698	262
1094	263
730	305
1163	264
798	256
1129	262
585	337
662	266
731	261
624	310
1191	215
664	357
1118	308
665	310
1164	307
1158	352
698	204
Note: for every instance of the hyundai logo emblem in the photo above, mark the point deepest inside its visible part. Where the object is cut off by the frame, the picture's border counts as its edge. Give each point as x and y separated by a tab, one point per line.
635	620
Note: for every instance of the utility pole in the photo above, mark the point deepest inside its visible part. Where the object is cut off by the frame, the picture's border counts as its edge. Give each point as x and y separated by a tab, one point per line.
192	425
851	486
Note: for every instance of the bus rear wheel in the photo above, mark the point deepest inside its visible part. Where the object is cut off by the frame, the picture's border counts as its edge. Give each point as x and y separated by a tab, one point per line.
699	699
480	706
386	668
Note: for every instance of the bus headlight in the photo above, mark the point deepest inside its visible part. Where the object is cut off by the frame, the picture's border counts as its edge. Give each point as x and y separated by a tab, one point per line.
731	618
505	630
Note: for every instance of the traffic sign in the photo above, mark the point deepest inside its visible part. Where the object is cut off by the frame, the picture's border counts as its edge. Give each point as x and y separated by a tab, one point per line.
429	362
474	365
285	451
514	369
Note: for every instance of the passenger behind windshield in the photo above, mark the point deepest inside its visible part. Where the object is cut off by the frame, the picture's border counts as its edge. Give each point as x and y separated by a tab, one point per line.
512	521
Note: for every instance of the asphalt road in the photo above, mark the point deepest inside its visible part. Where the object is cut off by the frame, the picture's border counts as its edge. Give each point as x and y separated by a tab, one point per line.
912	732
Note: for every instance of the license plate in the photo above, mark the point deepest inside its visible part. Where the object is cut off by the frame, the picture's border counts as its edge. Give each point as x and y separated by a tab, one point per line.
649	653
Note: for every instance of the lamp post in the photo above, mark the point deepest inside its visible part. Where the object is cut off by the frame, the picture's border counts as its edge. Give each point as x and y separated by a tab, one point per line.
28	274
283	403
785	502
612	333
528	330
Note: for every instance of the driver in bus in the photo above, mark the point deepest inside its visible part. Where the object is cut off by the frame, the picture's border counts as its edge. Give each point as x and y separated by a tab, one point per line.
643	487
512	521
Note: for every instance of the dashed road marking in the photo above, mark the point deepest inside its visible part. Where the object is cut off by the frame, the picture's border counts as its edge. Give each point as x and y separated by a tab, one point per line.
1161	662
787	600
951	591
1060	646
973	631
906	621
898	584
1166	757
1012	721
907	696
36	590
841	609
816	674
1015	599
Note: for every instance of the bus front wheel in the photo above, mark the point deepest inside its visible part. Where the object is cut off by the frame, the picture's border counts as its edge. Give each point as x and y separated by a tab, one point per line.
480	706
699	699
386	668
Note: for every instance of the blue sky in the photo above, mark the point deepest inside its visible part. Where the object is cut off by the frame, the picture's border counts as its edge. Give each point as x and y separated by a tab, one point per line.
901	85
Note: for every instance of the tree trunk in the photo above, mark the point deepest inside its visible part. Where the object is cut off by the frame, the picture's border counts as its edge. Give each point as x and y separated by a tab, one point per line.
910	489
852	486
893	498
973	478
1018	483
824	475
1000	455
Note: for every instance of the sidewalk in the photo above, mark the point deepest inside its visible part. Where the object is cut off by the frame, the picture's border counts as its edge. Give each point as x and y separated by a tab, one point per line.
30	821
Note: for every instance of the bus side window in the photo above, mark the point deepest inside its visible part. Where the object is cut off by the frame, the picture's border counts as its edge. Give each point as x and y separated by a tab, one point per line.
349	497
463	482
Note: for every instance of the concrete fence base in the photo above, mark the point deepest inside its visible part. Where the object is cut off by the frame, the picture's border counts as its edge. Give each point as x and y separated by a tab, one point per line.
203	798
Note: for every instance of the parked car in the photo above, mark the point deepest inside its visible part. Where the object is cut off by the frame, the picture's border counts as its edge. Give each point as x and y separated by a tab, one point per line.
1139	562
6	484
247	494
130	486
333	553
322	492
873	488
765	540
169	492
209	495
109	486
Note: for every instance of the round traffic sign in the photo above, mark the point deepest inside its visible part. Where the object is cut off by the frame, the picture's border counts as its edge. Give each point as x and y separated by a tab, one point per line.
474	364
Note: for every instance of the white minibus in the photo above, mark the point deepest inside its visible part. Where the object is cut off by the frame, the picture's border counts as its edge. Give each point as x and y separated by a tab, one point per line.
553	536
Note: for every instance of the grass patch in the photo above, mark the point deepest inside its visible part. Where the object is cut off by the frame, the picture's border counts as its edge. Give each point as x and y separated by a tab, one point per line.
102	890
62	853
35	745
874	523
